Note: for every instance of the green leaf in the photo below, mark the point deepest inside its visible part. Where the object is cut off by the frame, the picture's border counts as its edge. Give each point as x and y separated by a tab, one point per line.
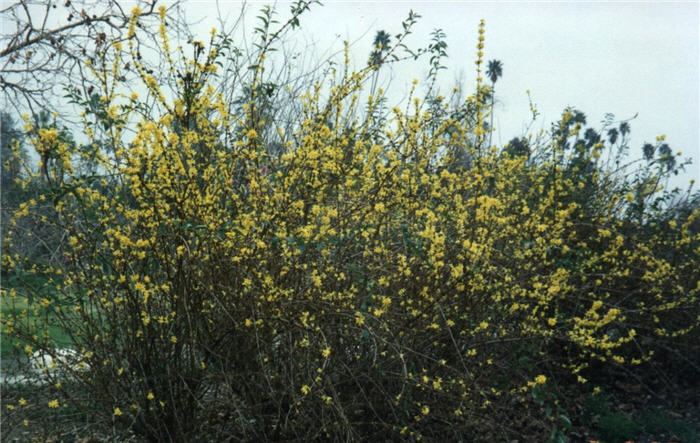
565	420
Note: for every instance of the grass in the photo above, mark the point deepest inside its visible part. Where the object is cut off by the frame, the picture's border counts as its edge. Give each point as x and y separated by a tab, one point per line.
11	307
652	422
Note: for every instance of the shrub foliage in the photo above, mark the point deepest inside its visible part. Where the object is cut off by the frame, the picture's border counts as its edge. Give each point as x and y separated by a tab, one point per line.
384	274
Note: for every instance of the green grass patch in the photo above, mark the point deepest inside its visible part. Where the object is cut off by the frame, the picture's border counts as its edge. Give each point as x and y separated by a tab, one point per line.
12	308
614	426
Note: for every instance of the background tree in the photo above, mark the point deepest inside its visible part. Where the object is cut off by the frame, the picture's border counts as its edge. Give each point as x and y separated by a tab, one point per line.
382	42
12	151
12	156
493	72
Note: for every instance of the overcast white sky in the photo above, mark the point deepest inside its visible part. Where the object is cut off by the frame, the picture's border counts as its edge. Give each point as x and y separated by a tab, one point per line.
619	57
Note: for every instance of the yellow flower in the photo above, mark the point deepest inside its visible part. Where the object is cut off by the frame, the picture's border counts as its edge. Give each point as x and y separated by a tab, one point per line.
305	389
540	379
53	404
425	410
150	396
117	412
22	402
326	352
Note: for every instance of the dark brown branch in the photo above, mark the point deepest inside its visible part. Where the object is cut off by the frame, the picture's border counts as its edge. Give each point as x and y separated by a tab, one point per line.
45	35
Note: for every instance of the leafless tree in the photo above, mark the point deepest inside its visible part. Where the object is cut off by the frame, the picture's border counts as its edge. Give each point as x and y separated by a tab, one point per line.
44	45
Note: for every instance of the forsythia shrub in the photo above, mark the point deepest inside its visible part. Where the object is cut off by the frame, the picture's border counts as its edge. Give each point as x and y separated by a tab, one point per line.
360	285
